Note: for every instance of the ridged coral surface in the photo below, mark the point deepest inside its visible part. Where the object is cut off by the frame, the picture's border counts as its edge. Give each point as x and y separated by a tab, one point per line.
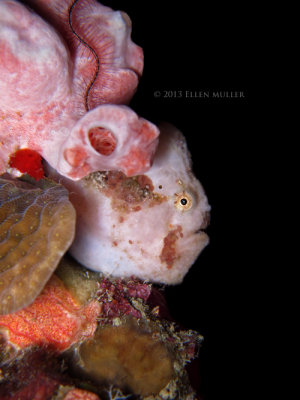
37	225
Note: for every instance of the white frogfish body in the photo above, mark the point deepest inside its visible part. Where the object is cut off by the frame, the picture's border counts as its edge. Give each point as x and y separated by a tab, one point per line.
149	226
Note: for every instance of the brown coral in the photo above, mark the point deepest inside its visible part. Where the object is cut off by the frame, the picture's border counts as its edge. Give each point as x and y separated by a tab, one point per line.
37	224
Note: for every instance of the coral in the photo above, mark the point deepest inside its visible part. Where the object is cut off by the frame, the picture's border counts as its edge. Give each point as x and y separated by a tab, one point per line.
37	225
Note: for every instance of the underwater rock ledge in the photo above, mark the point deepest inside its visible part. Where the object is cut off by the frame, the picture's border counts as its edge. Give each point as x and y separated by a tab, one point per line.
122	343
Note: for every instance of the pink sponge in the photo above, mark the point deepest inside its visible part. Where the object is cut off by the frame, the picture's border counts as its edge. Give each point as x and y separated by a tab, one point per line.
54	91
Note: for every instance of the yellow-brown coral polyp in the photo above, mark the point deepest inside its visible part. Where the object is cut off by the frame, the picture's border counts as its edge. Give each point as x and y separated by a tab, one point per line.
128	357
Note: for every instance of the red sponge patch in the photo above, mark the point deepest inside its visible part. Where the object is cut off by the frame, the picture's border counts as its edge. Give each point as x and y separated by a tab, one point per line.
27	161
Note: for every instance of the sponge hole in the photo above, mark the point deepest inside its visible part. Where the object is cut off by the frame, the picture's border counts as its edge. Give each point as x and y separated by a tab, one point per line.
102	140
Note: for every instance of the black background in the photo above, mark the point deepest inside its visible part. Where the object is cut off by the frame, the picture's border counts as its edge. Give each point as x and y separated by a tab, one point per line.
207	48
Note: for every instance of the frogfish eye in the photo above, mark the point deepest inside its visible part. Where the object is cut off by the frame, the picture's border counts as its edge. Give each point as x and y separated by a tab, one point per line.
183	201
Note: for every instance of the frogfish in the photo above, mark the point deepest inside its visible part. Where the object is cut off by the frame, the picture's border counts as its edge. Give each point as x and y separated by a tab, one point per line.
151	225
